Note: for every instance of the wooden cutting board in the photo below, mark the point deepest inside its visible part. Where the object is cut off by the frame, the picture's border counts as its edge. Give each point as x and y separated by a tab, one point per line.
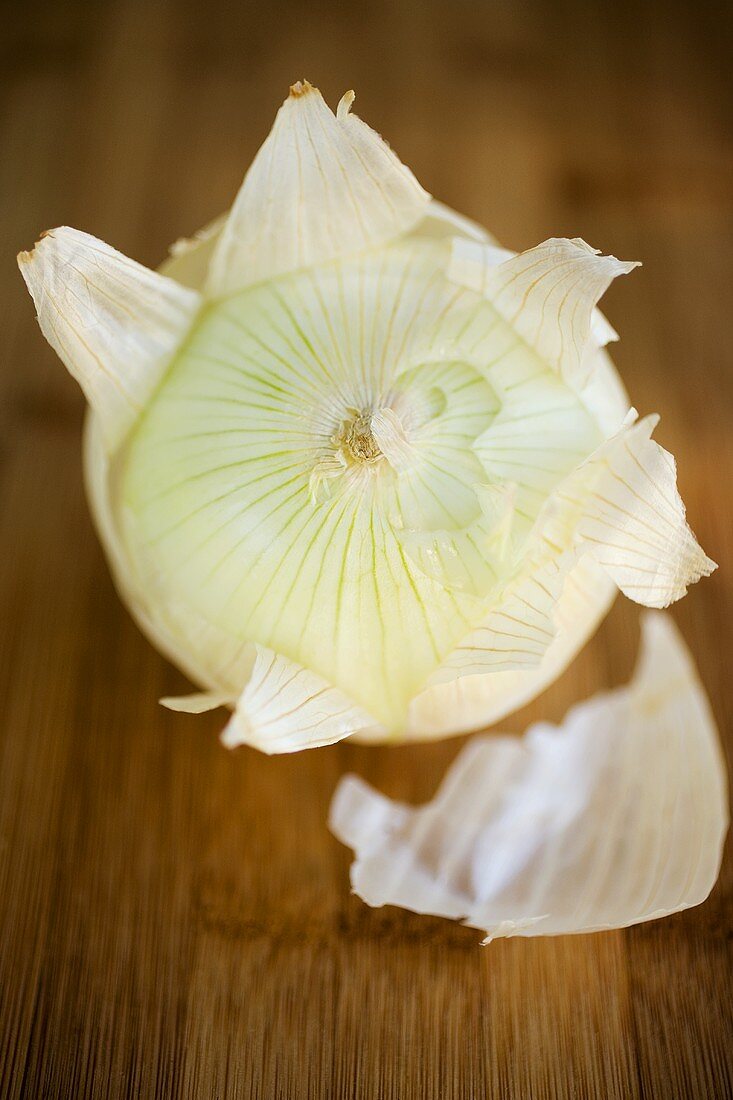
175	919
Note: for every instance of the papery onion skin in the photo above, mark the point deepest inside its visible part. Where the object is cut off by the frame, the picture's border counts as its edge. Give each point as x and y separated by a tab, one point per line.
256	664
614	817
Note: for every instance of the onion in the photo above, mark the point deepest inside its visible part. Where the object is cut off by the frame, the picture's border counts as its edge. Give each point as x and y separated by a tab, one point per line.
358	471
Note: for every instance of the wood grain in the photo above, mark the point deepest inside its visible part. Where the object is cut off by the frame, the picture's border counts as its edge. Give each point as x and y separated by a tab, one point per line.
175	919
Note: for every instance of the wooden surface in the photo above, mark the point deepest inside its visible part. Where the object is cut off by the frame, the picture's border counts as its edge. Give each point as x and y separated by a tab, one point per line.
176	919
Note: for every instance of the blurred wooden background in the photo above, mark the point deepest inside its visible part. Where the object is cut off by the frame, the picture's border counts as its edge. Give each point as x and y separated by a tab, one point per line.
175	919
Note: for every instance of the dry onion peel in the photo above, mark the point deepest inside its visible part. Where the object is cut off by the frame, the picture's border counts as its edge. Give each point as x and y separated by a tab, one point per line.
614	817
358	471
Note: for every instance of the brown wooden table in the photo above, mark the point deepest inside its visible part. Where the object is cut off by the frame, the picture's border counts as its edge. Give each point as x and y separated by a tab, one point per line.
176	920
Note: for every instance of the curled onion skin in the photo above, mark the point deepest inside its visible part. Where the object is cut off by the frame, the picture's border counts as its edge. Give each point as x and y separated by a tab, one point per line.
614	817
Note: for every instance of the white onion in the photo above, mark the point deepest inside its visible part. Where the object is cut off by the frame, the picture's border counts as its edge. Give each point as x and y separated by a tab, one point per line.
358	471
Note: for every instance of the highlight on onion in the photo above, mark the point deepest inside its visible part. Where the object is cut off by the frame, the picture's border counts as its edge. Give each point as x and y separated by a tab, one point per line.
358	471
